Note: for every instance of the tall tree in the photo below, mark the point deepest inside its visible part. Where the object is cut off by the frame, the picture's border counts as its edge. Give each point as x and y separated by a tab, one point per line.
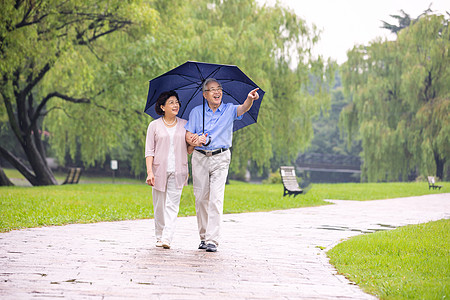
37	38
401	101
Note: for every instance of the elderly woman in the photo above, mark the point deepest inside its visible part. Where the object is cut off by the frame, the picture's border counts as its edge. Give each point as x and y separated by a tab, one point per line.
166	159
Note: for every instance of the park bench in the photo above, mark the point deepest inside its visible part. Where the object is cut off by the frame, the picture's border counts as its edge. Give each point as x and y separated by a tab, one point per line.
289	180
432	183
73	176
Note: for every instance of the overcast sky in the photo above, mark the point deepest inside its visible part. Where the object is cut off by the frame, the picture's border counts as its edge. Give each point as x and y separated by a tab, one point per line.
345	23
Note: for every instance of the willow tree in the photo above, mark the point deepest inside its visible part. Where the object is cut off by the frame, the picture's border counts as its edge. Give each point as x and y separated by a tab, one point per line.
401	101
39	40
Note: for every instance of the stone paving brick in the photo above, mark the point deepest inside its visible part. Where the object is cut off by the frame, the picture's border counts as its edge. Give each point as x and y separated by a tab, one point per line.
266	255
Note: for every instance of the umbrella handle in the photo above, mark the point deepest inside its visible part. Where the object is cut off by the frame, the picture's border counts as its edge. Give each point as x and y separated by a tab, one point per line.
209	141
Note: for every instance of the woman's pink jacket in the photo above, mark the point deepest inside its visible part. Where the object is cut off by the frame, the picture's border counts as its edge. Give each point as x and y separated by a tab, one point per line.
157	145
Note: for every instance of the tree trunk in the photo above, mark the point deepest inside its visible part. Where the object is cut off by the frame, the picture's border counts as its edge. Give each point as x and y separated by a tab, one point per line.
440	163
38	162
40	173
4	180
24	124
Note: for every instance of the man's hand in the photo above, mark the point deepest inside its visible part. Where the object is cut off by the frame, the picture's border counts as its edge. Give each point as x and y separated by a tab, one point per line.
245	107
202	139
253	95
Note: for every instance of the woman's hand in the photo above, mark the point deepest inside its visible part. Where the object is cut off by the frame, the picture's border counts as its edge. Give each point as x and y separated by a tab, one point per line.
194	140
150	179
198	140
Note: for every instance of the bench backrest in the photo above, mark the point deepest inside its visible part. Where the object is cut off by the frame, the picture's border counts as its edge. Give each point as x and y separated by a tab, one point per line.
287	171
73	176
431	180
76	177
288	177
70	175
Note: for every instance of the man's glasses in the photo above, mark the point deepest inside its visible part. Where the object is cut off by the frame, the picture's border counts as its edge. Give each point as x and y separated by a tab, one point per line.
213	90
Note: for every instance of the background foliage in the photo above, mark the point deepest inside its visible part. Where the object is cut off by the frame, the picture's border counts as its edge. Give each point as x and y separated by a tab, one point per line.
111	74
74	79
401	101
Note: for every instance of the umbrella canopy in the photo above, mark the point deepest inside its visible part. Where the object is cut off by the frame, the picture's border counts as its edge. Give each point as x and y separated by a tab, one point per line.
187	80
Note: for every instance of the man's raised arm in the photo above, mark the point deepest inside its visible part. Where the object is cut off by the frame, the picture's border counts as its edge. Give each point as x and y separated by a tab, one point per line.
245	107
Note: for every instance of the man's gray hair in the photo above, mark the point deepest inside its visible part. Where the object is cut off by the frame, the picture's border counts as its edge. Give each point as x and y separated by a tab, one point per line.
208	81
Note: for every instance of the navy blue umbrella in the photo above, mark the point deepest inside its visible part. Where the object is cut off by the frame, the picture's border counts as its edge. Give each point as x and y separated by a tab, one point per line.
187	80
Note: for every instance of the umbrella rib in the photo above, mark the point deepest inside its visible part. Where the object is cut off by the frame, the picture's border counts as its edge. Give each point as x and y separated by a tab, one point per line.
211	75
200	73
192	97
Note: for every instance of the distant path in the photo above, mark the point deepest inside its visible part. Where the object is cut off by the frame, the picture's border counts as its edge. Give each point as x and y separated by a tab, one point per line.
267	255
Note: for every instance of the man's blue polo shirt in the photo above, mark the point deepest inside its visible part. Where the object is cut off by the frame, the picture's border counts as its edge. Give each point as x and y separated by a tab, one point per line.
218	125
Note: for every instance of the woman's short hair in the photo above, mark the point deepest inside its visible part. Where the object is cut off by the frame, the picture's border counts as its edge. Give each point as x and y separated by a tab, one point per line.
208	81
162	101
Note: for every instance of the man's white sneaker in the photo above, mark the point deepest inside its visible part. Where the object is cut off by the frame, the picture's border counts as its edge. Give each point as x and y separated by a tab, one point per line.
159	244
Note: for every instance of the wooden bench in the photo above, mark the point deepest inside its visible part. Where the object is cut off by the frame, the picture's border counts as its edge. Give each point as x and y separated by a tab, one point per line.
289	180
73	176
432	183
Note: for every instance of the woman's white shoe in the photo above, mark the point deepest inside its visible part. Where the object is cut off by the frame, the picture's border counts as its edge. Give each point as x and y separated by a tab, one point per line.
166	245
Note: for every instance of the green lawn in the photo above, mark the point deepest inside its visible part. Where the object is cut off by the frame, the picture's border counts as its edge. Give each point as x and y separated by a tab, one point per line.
375	191
411	262
19	180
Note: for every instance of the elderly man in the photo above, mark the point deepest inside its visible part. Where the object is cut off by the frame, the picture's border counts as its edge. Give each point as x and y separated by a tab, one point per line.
210	162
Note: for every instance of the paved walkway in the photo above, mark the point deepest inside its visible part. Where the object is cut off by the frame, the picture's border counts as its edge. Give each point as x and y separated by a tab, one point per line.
269	255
